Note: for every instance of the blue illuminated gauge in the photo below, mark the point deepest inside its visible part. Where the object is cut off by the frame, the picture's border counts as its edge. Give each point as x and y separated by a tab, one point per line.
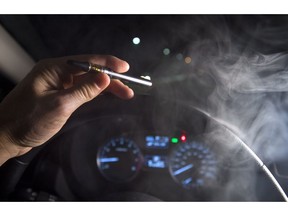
193	165
119	160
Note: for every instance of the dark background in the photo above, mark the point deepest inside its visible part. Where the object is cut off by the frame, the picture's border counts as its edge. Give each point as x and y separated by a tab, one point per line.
46	36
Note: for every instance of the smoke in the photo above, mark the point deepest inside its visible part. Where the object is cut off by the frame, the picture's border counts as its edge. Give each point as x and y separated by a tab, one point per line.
250	95
243	79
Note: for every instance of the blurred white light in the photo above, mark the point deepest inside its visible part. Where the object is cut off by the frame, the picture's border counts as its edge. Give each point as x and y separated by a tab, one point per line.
166	51
136	40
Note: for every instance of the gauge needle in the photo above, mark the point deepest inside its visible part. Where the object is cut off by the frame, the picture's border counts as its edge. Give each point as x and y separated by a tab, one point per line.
183	169
108	160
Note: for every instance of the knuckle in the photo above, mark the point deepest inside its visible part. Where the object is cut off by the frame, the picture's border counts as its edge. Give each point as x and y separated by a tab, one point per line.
88	92
59	104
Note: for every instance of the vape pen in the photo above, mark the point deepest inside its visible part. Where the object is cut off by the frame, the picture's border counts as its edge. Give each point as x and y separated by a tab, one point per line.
89	67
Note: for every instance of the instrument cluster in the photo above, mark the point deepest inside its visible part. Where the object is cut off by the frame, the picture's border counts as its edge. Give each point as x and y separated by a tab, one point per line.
189	161
148	152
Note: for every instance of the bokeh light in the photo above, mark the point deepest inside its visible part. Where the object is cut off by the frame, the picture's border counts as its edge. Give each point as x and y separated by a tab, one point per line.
179	56
166	51
188	60
136	40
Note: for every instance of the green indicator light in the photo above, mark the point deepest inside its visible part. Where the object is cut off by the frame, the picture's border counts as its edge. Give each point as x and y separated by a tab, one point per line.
174	140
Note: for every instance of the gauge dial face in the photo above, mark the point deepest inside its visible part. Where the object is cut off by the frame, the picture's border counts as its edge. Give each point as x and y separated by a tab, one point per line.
119	160
193	165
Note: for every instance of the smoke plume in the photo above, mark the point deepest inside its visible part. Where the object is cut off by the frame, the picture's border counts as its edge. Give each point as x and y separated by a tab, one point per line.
242	74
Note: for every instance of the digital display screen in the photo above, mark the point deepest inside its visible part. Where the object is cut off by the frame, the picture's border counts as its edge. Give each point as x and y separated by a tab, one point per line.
155	161
157	141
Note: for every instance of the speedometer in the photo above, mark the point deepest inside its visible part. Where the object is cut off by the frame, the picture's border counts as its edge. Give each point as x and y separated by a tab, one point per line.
119	160
192	164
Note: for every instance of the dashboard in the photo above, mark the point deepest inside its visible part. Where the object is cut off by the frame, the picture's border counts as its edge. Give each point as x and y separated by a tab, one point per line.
142	150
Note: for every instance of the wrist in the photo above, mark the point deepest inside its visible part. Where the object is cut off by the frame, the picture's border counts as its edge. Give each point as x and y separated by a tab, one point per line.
8	149
4	154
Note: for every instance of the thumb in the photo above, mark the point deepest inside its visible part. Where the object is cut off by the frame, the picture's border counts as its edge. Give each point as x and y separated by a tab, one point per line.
90	86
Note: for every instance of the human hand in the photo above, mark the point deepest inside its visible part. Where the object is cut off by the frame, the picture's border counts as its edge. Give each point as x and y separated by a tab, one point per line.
40	105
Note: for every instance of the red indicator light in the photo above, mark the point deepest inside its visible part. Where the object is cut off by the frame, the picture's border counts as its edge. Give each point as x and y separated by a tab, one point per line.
183	138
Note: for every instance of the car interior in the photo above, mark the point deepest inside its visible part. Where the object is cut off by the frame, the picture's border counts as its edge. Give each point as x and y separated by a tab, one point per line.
212	127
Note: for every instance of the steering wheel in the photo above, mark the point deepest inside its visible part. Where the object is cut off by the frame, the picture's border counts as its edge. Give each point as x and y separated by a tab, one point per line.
13	170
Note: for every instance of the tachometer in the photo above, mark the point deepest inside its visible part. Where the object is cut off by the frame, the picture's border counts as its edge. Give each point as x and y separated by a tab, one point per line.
119	160
192	165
